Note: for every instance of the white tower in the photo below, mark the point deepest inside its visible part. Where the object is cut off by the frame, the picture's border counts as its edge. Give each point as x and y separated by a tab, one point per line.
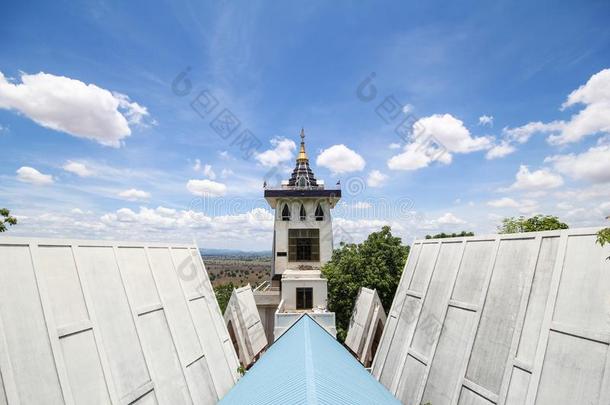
302	243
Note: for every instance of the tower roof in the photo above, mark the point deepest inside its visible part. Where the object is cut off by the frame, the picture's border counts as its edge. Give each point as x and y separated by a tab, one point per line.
302	176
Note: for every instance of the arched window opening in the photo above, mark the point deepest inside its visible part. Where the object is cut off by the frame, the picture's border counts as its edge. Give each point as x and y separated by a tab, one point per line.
302	213
319	213
286	213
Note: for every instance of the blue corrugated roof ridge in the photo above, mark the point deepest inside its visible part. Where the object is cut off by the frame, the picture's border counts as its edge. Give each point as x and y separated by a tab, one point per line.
306	365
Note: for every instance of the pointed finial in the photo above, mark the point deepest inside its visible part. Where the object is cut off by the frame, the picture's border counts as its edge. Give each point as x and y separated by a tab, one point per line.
302	157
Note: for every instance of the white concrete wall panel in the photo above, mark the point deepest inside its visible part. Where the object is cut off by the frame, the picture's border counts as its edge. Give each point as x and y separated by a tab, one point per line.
30	362
100	322
242	315
445	373
506	319
116	325
367	317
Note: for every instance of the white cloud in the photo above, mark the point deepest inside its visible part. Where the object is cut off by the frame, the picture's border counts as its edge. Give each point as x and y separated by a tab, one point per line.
71	106
30	175
451	133
206	188
376	178
486	120
133	194
282	151
536	180
523	133
592	165
394	146
523	206
434	139
502	149
208	172
197	165
416	156
77	168
226	173
594	118
450	219
503	203
340	159
407	108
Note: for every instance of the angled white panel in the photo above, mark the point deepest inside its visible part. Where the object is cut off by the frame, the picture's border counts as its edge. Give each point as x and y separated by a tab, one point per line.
435	302
100	322
537	300
138	276
469	284
572	372
84	369
120	339
452	350
498	321
170	383
63	285
176	308
24	330
201	383
582	300
527	322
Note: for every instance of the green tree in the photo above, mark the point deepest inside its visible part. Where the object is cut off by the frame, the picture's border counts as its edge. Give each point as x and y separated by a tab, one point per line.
449	235
6	218
375	263
223	295
533	224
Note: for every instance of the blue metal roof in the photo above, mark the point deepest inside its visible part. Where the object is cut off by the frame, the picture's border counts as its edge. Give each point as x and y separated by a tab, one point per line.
306	365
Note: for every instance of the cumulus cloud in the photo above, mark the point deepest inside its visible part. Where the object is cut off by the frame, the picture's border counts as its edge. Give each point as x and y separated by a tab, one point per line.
376	178
486	120
197	165
163	218
534	181
592	119
134	195
523	206
394	145
206	188
71	106
503	203
451	133
416	156
30	175
435	138
449	219
340	159
592	165
500	150
282	151
77	168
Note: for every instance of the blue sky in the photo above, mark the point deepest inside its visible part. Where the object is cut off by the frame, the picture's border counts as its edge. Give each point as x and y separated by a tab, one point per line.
509	101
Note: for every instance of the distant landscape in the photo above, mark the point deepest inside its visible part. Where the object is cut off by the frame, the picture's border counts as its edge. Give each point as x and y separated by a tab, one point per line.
238	267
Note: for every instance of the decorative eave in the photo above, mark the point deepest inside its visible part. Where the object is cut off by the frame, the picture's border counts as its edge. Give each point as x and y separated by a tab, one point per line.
272	195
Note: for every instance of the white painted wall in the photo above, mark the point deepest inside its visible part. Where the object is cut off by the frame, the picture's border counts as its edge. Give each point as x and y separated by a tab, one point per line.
99	322
510	319
281	231
320	294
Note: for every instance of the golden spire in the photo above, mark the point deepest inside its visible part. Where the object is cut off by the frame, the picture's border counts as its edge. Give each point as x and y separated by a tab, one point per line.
302	154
